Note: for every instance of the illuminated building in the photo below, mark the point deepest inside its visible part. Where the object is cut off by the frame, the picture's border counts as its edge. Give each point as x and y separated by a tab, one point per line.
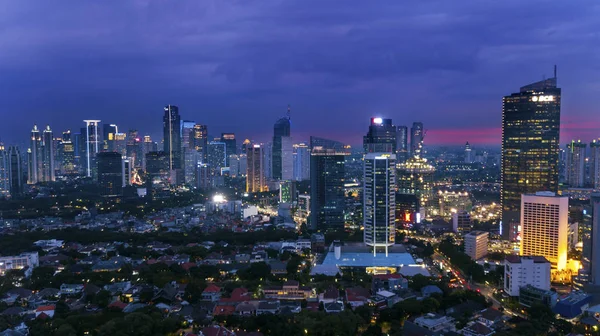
379	214
108	139
217	155
67	154
255	179
48	155
157	168
187	132
281	130
29	259
15	173
461	222
35	161
381	137
230	145
520	271
327	177
407	210
590	257
199	140
476	244
301	162
172	137
544	227
267	150
468	153
415	177
4	172
402	153
575	164
287	159
203	176
91	147
452	202
287	192
595	164
416	138
110	173
530	145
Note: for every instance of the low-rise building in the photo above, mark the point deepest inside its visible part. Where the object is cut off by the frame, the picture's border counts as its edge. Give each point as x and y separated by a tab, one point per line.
530	295
435	322
290	290
28	260
520	271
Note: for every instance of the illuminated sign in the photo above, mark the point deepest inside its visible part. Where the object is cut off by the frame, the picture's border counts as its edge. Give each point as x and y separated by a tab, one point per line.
407	217
377	120
542	98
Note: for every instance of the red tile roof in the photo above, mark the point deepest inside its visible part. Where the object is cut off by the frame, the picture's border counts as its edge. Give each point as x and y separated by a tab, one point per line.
212	288
45	308
223	310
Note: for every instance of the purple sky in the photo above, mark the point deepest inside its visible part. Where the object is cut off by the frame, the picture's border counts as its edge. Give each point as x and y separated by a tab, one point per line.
235	65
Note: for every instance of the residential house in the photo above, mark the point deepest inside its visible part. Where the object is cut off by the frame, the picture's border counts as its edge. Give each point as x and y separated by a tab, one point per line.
245	308
291	290
357	296
330	295
48	310
429	290
490	316
216	330
435	322
477	329
211	293
334	307
390	282
268	307
71	289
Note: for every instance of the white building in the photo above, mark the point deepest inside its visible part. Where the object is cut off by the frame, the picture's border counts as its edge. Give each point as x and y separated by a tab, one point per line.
379	199
520	271
287	159
301	162
575	164
476	244
29	259
435	323
545	226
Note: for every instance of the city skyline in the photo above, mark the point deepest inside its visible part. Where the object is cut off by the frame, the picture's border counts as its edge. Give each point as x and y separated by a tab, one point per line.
400	55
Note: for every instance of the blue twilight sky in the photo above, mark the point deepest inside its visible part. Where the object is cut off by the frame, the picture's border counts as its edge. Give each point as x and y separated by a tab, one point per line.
235	65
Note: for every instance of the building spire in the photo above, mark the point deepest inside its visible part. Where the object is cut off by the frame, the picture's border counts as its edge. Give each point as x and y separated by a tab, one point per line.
554	71
289	111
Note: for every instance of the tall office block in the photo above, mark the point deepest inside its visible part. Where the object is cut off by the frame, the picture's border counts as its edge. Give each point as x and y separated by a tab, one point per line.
544	227
595	164
4	172
575	164
267	150
187	129
255	179
281	129
593	242
461	222
217	156
110	173
530	146
469	157
402	150
172	136
68	165
379	205
157	168
199	140
287	192
91	147
301	162
108	137
35	158
48	171
230	144
287	159
416	138
327	177
15	173
381	137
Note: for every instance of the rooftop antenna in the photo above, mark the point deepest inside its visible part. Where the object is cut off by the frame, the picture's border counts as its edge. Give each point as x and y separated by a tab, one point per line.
289	111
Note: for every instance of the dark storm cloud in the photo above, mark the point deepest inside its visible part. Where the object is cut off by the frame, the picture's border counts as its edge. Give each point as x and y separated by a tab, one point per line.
235	65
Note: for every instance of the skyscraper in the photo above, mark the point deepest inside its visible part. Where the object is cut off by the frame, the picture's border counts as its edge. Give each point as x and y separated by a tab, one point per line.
301	162
255	179
35	170
67	154
595	165
327	177
110	173
381	137
402	144
4	173
157	168
544	227
530	146
593	243
199	140
91	147
108	137
172	136
468	153
379	214
15	173
187	127
217	156
48	173
575	164
281	130
230	144
416	138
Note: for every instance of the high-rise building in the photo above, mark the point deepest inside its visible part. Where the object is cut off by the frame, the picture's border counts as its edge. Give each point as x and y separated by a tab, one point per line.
4	173
230	144
379	206
172	136
416	138
575	164
544	227
415	177
15	173
91	146
187	127
595	164
204	176
327	178
199	140
245	145
281	129
287	192
255	179
35	158
461	222
157	168
67	154
452	202
476	244
468	153
287	159
217	156
402	152
48	172
108	137
520	271
530	146
381	137
110	173
301	162
591	245
267	150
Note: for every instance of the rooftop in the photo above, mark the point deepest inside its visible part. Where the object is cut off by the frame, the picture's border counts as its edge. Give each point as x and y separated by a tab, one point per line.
359	255
514	259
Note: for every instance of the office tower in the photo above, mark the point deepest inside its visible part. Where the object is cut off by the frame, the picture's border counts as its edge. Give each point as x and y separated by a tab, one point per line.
476	244
108	137
234	165
287	159
245	145
591	243
402	151
323	143
35	157
381	137
327	177
575	164
127	172
544	226
91	147
287	192
267	150
520	271
301	162
133	148
416	138
15	173
48	155
4	172
120	144
110	173
379	214
255	179
172	136
217	156
187	127
204	176
157	168
191	157
149	145
530	146
595	164
468	153
230	144
415	177
281	130
199	140
461	222
452	202
67	154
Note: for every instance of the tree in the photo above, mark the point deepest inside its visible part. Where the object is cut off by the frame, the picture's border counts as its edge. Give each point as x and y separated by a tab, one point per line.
256	271
66	330
373	330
